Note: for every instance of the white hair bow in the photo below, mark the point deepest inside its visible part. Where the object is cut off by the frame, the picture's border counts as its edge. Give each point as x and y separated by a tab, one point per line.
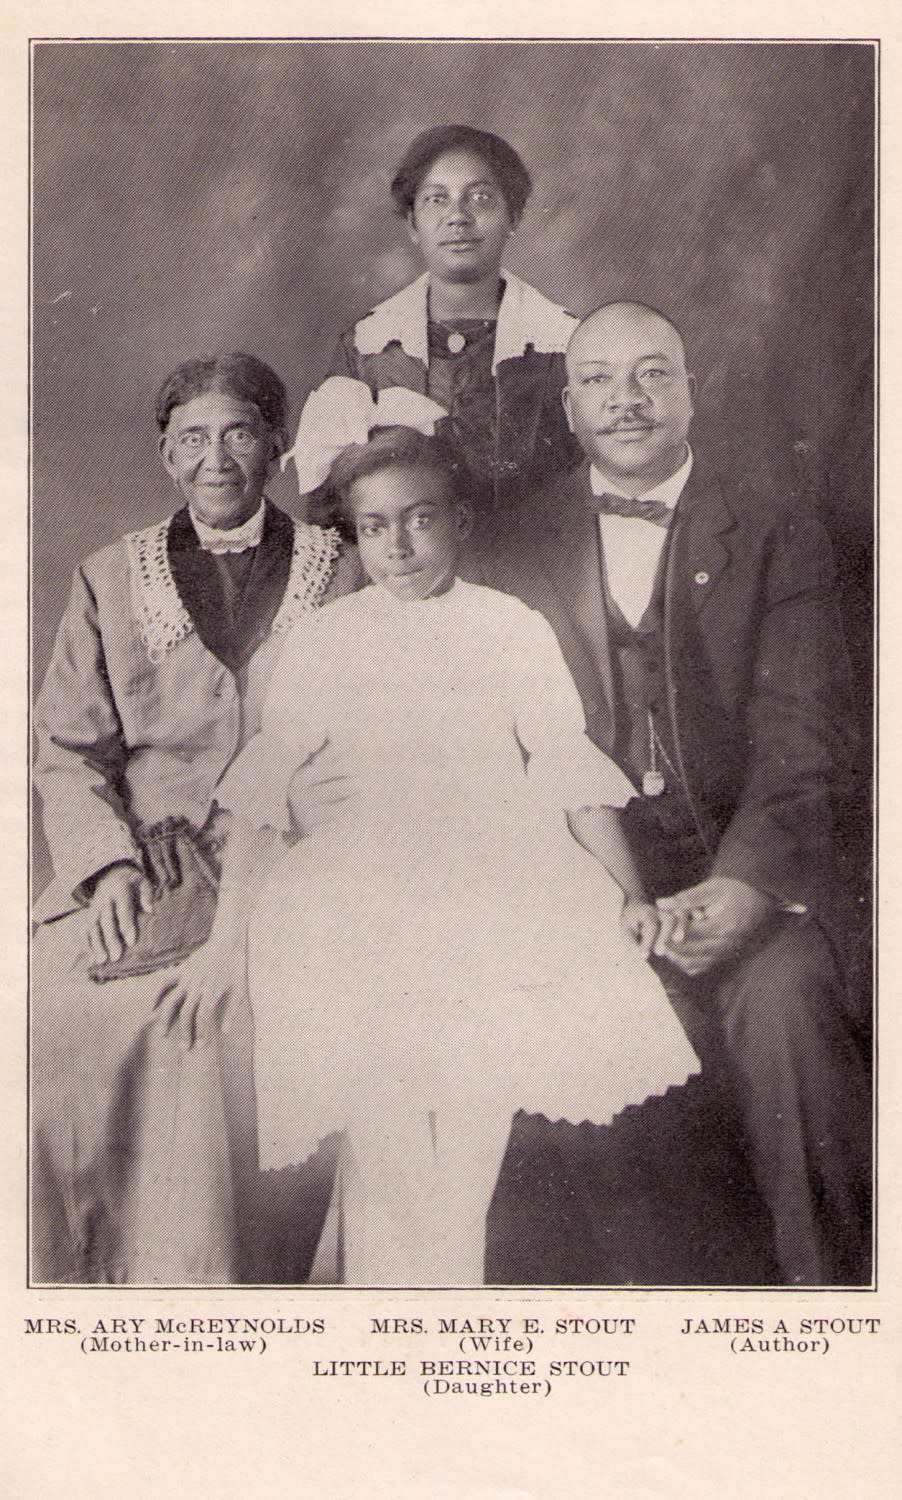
343	411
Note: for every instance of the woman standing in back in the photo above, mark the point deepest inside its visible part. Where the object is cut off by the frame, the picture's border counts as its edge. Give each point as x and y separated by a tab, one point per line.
484	345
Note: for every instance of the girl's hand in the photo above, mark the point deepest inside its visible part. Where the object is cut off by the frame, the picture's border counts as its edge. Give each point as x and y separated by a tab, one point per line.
640	922
196	999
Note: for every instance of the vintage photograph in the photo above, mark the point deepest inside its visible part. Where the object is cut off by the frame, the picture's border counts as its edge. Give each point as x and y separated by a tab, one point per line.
452	531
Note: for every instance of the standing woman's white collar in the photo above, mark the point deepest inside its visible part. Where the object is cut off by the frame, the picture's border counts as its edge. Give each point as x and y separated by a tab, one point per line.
525	318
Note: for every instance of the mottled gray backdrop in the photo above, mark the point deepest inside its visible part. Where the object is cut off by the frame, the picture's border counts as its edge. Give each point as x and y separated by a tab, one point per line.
199	197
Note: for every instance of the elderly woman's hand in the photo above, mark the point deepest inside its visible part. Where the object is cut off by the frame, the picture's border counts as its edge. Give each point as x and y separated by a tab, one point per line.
121	892
195	1001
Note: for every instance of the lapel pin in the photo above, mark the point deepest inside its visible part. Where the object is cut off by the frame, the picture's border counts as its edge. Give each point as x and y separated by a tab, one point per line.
702	577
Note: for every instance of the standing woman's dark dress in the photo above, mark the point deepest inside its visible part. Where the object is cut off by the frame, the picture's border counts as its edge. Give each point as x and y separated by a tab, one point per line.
486	346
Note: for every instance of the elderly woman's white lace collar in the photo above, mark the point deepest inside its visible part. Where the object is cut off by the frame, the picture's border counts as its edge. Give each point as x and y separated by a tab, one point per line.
163	618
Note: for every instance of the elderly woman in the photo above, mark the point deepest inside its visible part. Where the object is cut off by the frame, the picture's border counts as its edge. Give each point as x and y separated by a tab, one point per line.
487	347
156	680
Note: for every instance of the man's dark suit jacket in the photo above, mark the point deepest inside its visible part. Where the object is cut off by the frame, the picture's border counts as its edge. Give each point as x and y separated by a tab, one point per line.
756	671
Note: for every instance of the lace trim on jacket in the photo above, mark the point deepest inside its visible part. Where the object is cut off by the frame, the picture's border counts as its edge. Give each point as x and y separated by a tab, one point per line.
162	617
312	562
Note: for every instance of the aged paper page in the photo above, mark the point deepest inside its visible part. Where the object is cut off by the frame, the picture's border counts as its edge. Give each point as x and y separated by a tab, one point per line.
172	189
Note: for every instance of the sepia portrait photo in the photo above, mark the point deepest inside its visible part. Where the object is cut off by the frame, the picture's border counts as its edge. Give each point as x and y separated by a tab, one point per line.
452	656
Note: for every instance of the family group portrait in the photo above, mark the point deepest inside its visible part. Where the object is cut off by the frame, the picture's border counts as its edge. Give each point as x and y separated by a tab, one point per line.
452	529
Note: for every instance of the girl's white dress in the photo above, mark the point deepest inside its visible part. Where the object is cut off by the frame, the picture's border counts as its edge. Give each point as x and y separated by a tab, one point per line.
445	943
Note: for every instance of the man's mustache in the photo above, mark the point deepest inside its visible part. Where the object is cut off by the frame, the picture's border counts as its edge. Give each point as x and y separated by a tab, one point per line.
627	425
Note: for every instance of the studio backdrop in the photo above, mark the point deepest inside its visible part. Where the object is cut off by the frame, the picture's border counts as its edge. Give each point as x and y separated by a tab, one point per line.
192	198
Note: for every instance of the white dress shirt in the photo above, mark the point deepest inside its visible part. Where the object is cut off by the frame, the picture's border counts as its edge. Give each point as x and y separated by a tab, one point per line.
631	548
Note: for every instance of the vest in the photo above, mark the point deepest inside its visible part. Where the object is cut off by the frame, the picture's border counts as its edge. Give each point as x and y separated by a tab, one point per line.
661	829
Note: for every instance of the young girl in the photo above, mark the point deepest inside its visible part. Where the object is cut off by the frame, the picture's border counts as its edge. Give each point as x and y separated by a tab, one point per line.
447	950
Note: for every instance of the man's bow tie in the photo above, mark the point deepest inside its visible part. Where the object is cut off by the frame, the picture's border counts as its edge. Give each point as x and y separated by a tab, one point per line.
639	510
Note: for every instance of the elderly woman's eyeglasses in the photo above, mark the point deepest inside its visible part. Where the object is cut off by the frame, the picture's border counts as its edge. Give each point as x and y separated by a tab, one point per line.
238	441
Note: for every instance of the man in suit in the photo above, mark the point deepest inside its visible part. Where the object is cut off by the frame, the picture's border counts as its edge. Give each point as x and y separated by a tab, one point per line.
155	683
701	628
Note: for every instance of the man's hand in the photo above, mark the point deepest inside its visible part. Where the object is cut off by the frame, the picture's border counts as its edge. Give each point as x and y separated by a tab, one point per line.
197	998
120	894
640	922
710	923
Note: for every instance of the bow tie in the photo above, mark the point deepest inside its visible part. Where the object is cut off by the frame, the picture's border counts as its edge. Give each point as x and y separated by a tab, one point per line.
238	539
638	510
230	548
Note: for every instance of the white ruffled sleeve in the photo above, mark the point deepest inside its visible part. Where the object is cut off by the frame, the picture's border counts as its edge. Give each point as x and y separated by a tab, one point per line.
564	768
257	783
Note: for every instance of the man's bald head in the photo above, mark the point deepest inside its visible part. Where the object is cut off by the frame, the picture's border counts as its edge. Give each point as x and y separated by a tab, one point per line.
612	318
629	397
